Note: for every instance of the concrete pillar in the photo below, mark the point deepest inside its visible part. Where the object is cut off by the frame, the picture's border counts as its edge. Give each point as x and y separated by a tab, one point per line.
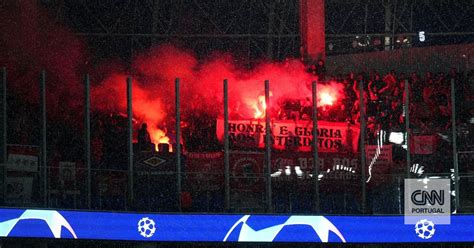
312	29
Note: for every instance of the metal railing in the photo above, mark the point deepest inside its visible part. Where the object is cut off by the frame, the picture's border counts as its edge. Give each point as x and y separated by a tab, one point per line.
174	191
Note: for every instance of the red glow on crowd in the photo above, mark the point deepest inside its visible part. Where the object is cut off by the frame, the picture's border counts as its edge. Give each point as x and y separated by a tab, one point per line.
330	94
260	107
201	88
111	96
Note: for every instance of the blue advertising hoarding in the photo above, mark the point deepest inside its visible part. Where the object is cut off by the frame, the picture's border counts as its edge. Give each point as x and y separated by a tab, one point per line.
228	228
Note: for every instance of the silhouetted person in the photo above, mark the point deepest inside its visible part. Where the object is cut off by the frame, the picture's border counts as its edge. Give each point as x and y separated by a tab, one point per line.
144	141
320	70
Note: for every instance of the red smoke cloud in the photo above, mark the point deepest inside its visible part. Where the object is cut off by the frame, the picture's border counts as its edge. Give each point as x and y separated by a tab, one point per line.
202	86
33	42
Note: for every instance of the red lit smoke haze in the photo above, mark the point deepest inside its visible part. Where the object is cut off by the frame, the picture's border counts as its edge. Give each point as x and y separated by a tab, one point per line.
33	42
202	85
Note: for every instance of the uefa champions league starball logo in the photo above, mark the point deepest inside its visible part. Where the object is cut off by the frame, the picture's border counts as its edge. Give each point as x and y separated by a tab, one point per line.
146	227
425	229
320	227
55	221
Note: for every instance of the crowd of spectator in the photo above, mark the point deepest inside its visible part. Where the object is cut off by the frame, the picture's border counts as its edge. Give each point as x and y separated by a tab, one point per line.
384	96
384	101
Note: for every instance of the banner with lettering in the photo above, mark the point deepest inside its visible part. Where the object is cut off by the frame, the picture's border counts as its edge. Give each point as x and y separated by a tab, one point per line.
292	135
304	161
205	171
251	164
423	144
379	155
247	169
379	162
22	158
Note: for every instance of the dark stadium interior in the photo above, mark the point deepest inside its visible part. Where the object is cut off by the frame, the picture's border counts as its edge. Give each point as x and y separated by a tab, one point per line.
91	120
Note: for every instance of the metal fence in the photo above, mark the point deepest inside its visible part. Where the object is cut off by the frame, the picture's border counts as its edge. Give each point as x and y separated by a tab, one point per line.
340	191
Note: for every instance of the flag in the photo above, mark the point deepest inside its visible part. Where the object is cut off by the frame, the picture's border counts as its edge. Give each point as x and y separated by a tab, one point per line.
67	171
19	189
423	144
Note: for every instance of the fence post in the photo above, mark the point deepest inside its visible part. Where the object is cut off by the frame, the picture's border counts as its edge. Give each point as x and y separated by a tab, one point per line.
87	137
406	110
362	145
226	146
130	142
3	142
178	144
268	147
455	147
43	146
315	148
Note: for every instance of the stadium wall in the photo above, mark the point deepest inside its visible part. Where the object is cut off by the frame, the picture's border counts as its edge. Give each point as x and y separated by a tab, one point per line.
419	59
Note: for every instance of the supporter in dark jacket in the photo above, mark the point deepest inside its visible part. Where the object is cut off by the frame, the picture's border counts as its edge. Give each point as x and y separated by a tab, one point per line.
144	140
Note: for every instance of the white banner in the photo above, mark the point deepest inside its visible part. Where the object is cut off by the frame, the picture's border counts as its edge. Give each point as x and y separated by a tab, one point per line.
292	135
21	162
67	171
19	189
